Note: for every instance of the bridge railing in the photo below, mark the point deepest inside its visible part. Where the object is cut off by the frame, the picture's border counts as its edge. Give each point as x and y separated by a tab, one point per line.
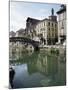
25	40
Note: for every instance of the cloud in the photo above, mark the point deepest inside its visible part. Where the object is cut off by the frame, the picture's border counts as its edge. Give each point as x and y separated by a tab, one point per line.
14	25
17	19
42	11
20	11
39	17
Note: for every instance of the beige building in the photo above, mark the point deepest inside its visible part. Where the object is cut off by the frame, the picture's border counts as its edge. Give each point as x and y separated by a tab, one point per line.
62	24
47	29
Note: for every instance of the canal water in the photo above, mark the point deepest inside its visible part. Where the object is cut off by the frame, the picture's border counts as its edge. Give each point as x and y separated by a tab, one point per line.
38	69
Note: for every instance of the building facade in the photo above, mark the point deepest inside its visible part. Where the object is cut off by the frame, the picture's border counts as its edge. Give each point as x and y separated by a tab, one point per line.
47	29
12	34
30	27
20	33
62	24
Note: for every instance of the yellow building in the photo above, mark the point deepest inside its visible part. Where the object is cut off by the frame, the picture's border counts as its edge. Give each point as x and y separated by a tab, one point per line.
47	28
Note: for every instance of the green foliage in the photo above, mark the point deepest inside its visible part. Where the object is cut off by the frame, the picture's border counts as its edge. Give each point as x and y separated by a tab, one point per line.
54	51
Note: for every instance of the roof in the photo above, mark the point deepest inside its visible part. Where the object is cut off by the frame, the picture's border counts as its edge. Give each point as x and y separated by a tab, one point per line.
29	18
46	19
62	9
32	20
21	30
12	33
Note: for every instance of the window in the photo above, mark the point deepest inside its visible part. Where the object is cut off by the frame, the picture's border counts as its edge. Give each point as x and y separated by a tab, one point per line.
48	23
49	29
62	24
56	34
52	24
52	34
55	25
56	31
44	23
49	34
53	29
62	27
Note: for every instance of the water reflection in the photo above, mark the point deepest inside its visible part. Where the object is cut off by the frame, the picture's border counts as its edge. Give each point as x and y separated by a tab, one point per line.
38	69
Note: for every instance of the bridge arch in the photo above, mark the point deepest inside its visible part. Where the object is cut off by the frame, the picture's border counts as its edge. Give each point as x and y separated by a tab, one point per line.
35	44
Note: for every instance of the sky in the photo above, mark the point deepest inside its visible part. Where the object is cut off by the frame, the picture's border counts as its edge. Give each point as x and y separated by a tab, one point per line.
20	11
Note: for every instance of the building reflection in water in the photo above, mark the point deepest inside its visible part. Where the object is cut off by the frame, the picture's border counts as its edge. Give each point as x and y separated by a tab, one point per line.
45	64
49	66
61	71
19	53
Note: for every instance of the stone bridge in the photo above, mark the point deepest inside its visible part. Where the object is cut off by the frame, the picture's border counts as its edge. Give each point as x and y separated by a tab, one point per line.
35	44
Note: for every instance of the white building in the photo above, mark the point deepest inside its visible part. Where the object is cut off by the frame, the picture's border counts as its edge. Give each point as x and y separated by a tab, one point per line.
62	24
12	34
20	33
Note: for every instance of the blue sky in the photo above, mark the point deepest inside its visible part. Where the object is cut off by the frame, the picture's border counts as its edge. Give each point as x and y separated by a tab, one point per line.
19	11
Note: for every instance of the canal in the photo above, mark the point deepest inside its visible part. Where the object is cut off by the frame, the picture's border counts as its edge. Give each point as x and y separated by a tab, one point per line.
38	69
